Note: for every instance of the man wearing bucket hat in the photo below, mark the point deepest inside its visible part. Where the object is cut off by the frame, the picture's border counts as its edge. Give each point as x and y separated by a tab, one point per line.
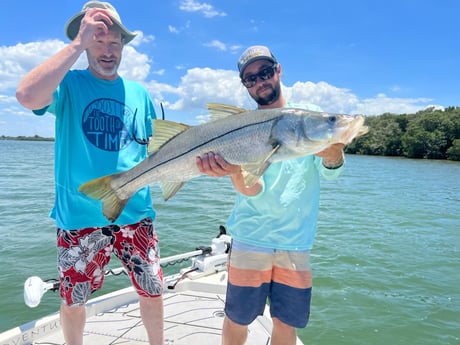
273	223
103	123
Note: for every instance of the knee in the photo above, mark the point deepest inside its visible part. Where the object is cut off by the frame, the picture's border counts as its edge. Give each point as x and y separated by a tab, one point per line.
151	301
281	326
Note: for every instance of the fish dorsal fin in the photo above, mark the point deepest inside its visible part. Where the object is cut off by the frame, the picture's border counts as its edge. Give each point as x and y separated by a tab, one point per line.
218	110
163	131
252	172
170	189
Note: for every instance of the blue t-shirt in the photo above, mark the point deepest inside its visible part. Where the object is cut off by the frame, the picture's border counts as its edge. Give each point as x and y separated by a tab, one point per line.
97	122
284	214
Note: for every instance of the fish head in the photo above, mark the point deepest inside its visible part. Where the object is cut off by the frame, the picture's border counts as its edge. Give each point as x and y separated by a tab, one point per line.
308	132
338	128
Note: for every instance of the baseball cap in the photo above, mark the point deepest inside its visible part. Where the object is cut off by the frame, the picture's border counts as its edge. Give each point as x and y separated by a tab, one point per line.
252	54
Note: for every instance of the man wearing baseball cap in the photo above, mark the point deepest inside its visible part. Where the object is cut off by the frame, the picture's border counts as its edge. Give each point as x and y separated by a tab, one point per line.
273	223
103	123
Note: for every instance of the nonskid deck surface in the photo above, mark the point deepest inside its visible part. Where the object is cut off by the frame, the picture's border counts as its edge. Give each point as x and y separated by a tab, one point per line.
190	318
194	302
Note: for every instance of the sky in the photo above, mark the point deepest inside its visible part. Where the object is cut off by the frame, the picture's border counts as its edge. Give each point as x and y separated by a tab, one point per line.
356	57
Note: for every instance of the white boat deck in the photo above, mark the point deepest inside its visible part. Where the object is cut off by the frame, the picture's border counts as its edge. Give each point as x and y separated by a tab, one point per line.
193	314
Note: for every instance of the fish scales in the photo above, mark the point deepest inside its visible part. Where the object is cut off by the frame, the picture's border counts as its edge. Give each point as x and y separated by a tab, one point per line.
176	161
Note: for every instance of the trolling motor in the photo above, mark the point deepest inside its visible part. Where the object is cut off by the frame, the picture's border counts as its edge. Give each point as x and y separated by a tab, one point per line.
214	260
35	288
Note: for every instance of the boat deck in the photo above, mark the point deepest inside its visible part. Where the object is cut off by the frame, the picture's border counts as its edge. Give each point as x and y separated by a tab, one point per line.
193	314
194	302
189	319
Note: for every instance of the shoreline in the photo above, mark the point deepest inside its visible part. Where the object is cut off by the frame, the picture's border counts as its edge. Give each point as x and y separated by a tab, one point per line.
26	138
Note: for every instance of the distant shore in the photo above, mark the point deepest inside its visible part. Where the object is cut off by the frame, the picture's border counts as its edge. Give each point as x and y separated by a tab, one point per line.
26	138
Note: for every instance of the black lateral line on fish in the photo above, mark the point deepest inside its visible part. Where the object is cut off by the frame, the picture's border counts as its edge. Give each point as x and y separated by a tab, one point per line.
197	146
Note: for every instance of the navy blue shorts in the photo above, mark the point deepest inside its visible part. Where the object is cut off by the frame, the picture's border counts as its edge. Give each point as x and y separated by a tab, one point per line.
257	275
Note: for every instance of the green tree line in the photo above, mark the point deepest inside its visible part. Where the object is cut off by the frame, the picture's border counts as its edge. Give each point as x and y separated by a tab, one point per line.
431	134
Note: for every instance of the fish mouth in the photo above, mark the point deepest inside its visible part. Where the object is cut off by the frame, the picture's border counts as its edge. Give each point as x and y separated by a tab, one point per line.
354	129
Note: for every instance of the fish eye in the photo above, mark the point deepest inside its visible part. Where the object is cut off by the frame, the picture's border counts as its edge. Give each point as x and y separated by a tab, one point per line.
332	119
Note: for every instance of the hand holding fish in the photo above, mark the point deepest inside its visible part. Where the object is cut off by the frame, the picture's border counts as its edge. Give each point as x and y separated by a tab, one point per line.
215	165
333	156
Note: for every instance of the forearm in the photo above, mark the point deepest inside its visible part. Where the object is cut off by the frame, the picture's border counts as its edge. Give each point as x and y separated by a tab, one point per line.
240	186
35	90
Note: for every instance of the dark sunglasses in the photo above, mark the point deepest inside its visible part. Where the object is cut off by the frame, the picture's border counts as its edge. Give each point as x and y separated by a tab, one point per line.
265	74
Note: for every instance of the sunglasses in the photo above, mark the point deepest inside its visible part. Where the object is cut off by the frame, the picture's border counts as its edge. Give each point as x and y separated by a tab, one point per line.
265	74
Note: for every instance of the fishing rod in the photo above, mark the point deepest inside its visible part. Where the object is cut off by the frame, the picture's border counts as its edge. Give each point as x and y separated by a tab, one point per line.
35	287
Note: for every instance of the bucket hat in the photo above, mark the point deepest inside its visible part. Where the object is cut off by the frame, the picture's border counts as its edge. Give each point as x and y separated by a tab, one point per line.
73	24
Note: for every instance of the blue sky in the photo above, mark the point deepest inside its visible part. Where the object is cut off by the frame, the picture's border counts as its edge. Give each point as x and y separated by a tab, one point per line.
355	56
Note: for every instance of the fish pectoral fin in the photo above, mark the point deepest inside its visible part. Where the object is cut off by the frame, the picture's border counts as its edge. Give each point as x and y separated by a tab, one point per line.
170	189
163	131
253	171
250	179
218	111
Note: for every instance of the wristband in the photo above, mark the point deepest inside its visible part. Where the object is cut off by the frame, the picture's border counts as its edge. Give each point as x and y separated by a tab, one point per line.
334	164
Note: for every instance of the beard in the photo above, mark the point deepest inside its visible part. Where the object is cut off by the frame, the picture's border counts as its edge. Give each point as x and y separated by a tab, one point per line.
271	97
98	68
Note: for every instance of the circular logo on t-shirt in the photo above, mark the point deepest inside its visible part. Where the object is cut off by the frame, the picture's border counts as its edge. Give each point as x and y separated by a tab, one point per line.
107	124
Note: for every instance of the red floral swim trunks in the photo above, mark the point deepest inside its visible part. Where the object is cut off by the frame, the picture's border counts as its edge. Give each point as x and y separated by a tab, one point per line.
84	253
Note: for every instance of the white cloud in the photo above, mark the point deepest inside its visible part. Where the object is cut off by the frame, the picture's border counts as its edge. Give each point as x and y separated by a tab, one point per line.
185	100
201	85
329	97
383	104
17	60
216	44
134	65
222	46
339	100
141	38
173	29
195	6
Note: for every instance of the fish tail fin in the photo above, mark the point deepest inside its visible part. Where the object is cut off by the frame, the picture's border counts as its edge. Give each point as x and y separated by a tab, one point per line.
101	189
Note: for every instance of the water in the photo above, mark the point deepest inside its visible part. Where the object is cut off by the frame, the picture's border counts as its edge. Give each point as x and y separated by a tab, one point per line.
386	258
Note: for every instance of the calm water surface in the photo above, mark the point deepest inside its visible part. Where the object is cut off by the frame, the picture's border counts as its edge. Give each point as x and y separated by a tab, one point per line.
386	258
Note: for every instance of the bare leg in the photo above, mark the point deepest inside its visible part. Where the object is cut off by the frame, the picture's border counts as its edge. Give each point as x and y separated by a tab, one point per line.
233	333
152	316
73	323
283	334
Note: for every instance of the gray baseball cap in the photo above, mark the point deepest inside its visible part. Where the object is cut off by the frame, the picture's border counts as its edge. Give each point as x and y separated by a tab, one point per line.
252	54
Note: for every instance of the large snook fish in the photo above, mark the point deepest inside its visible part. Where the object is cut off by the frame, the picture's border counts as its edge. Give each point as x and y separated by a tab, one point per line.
252	139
